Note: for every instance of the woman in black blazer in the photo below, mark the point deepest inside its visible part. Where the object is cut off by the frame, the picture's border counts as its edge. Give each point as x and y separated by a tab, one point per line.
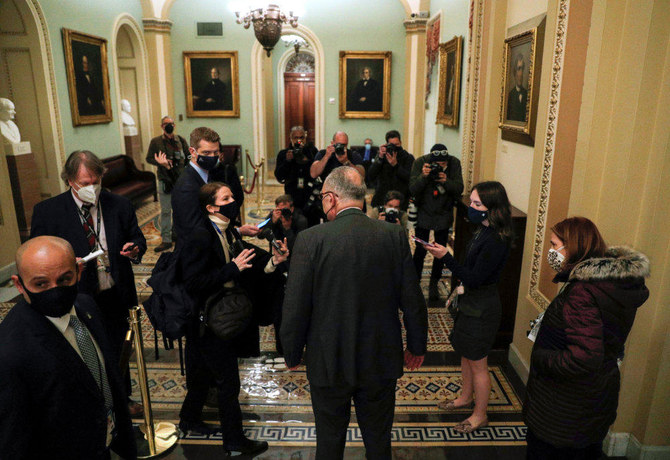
480	310
207	263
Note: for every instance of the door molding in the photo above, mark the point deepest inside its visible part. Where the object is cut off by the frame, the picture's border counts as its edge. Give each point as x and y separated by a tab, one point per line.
281	95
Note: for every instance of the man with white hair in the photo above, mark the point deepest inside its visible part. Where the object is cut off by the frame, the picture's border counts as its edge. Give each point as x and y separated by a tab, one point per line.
9	130
347	281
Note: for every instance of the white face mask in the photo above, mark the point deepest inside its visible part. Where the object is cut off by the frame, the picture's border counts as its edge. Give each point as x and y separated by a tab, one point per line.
89	193
555	258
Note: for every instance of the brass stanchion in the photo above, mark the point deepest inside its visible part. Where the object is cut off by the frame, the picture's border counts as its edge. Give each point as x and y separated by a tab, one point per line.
259	212
155	449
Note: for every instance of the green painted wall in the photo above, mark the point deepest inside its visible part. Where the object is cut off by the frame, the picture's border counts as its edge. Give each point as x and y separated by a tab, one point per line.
95	18
374	25
455	17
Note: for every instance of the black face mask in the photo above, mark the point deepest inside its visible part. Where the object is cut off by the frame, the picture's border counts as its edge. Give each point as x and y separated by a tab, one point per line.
54	302
230	210
169	128
207	163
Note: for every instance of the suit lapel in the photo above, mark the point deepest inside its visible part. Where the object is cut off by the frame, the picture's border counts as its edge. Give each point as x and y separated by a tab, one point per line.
195	174
109	218
54	343
78	241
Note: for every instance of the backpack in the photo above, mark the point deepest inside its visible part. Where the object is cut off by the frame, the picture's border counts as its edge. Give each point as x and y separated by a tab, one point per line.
170	307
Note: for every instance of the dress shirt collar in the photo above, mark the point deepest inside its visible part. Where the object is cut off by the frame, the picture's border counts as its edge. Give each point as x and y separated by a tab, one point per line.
204	174
350	207
62	322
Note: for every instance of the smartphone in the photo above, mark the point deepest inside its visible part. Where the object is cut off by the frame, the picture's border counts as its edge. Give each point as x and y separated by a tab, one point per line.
275	244
264	223
419	240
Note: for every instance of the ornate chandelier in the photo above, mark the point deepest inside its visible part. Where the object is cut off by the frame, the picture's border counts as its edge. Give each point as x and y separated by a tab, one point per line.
267	24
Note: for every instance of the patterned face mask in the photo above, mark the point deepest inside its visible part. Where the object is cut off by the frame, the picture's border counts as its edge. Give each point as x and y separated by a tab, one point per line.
555	258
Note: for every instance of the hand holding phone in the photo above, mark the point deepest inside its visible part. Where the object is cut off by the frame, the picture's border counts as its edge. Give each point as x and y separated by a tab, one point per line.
420	241
264	223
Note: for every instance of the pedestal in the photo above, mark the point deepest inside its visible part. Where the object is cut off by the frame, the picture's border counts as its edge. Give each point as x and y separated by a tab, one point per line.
24	178
133	148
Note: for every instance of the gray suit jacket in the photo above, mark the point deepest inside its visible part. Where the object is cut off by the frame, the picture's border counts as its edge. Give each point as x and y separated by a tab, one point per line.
347	281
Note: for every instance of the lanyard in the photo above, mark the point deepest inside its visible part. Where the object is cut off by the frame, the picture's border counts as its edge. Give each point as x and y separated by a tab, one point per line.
96	233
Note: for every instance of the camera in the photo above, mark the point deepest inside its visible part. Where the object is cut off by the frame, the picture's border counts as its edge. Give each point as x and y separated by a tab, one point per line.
392	149
435	171
298	152
391	214
340	149
286	213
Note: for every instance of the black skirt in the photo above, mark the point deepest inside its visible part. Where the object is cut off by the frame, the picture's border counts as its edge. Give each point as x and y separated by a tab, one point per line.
475	328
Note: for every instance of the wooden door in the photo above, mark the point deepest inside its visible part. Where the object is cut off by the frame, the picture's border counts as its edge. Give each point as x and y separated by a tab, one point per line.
299	103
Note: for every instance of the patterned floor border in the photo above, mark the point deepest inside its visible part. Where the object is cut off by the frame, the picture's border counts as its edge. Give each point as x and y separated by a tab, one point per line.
403	434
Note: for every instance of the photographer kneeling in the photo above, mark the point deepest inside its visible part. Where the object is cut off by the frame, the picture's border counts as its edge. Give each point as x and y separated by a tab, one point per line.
390	211
287	220
436	183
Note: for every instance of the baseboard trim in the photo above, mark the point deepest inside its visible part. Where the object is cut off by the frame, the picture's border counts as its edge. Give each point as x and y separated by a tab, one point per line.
627	445
7	271
520	366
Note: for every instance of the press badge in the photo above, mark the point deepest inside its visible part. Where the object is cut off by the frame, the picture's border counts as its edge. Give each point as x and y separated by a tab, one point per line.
111	426
301	182
535	327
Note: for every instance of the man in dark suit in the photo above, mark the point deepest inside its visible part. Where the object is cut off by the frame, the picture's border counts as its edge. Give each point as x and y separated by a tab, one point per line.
61	395
348	278
89	93
213	94
518	96
90	218
204	149
367	94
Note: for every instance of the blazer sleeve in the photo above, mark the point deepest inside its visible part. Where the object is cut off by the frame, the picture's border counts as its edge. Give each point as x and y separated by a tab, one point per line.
297	309
131	230
282	169
185	210
585	350
412	302
16	428
488	261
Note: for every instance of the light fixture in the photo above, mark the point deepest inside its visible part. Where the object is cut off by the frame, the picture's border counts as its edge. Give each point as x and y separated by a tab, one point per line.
296	41
267	24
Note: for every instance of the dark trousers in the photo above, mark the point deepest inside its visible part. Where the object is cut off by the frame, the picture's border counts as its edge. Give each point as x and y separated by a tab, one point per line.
209	361
115	317
541	450
441	236
374	403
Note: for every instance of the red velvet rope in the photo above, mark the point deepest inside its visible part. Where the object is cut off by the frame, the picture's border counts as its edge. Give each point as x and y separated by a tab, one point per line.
256	168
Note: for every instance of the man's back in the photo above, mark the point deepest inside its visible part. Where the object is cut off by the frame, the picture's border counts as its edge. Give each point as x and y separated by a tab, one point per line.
360	273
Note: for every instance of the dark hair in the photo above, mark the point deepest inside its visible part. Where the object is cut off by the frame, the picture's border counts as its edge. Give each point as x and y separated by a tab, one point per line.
203	133
393	195
78	158
492	194
207	194
284	199
392	134
581	238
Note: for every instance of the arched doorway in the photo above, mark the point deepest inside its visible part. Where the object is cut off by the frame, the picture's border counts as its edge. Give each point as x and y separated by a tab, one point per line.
296	87
130	71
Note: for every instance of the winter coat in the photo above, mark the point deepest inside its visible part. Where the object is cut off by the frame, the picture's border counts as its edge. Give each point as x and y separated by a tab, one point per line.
435	209
573	387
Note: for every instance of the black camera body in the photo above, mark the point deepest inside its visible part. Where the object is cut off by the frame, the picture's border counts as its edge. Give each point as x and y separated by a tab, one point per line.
340	149
390	215
298	152
392	149
286	213
435	171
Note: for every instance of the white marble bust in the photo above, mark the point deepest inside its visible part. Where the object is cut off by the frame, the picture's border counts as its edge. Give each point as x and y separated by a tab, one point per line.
129	126
10	132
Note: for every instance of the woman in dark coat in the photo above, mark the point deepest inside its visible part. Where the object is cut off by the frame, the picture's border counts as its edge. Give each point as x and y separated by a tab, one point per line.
480	310
573	387
207	264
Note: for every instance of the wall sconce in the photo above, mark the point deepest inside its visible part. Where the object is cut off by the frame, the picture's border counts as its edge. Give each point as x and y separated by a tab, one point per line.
295	41
267	24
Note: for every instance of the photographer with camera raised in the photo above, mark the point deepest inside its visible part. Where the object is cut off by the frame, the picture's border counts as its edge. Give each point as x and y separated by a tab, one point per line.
293	167
436	183
287	220
390	211
335	155
391	169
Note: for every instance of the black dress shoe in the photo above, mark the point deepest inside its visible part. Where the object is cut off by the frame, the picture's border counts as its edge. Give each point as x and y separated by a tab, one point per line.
162	247
197	428
246	447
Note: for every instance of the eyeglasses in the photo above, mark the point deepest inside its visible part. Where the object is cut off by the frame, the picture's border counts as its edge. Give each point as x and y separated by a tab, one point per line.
439	153
322	195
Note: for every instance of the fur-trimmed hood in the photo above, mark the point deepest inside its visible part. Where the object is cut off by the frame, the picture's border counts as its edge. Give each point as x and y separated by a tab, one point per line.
619	262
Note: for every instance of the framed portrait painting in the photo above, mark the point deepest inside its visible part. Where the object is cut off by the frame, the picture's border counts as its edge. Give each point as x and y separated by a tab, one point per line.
448	103
365	84
211	81
520	86
87	78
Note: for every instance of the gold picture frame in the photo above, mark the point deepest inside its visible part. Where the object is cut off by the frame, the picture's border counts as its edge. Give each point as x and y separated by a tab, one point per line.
520	85
211	84
448	103
87	77
361	96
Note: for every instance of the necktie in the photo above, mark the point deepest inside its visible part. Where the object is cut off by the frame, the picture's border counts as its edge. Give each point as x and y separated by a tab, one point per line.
90	356
88	225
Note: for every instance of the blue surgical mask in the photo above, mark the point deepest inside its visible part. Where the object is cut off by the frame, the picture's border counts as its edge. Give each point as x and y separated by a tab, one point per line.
207	163
367	147
476	216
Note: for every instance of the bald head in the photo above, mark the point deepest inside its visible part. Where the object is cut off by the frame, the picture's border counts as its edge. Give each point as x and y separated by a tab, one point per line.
341	137
45	262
